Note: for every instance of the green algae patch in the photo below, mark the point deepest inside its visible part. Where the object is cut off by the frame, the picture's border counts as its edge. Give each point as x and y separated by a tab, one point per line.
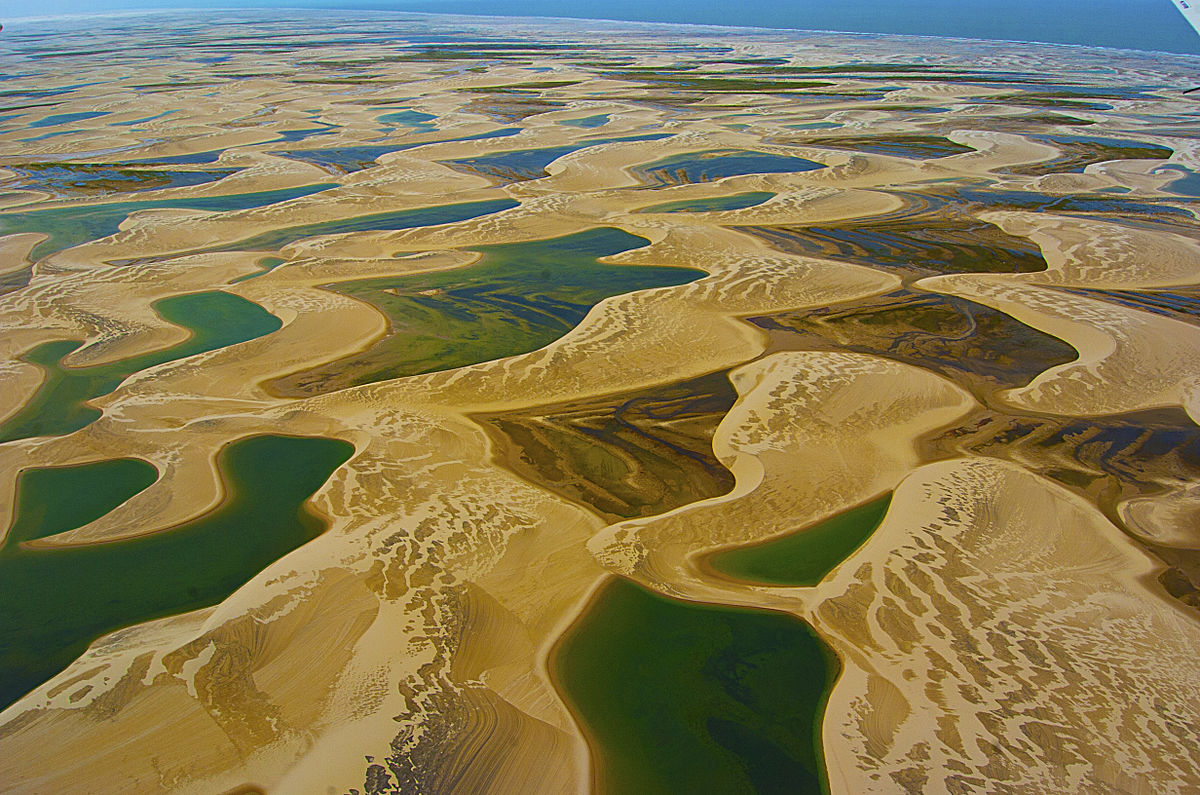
806	556
675	696
55	601
518	298
216	320
738	201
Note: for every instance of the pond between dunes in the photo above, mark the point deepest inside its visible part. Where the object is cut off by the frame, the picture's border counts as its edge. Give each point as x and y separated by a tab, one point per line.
55	602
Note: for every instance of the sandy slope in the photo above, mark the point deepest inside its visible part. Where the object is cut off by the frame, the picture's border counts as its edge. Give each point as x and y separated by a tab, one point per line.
1000	633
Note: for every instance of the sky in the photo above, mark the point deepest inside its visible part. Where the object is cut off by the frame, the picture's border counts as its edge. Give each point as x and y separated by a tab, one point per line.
1135	24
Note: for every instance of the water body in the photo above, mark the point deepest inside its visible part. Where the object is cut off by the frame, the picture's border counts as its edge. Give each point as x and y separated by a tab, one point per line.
70	226
1180	304
410	118
710	166
503	132
55	602
348	159
975	346
806	556
587	122
1187	184
1107	205
215	319
1081	151
913	146
518	298
928	244
531	163
194	159
1112	23
307	132
675	696
66	118
376	222
142	120
738	201
44	136
638	453
88	179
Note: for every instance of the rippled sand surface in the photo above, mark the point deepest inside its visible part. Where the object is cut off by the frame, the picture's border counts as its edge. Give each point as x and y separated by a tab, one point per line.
978	294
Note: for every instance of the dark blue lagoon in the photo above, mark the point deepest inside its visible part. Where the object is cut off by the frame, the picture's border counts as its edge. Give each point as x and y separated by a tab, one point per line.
711	166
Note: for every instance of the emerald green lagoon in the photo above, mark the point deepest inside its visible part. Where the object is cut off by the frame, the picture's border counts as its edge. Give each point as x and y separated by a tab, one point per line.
70	226
518	298
215	319
675	696
55	602
738	201
806	556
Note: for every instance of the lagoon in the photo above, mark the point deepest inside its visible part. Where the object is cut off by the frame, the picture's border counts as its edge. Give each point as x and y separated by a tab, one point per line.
55	602
216	320
71	226
376	222
518	298
711	166
738	201
805	556
675	696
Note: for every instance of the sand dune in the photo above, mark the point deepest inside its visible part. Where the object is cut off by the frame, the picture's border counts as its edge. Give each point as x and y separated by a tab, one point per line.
998	628
1099	255
1129	359
997	632
811	435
